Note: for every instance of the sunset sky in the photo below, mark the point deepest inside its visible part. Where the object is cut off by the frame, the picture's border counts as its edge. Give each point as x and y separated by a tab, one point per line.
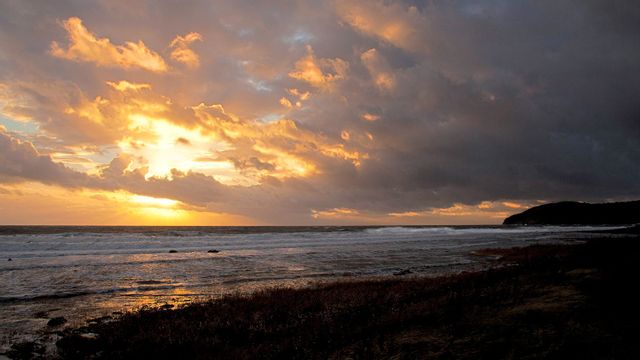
314	112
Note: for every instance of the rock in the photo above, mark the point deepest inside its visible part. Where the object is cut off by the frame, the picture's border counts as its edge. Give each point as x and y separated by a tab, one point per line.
9	259
100	320
89	336
173	251
25	350
56	321
213	251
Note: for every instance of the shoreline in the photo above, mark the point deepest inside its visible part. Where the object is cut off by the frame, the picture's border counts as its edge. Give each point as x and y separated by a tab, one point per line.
537	301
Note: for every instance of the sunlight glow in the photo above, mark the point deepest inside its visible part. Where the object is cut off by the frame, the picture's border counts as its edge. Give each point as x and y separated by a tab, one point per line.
98	207
164	146
154	212
152	201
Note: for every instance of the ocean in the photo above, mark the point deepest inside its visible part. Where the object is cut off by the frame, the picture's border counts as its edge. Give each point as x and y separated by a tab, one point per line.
82	273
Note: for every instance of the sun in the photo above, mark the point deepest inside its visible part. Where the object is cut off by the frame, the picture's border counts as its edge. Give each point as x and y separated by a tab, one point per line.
163	146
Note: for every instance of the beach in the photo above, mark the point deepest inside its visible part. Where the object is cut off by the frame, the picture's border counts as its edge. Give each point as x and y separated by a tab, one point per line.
543	301
383	313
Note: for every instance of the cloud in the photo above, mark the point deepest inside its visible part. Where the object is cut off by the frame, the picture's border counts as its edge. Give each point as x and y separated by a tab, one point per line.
285	102
333	213
182	52
379	69
148	126
464	213
20	160
370	117
394	22
124	85
84	46
403	111
302	96
64	111
319	73
14	105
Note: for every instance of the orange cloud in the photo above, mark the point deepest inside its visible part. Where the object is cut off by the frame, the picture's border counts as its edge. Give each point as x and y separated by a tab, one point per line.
289	150
513	205
125	85
84	46
182	52
14	104
286	103
370	117
334	213
302	96
379	69
345	135
320	73
298	98
404	214
161	134
472	213
393	22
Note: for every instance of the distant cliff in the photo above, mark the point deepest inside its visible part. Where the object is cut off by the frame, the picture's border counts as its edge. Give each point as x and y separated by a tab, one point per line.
577	213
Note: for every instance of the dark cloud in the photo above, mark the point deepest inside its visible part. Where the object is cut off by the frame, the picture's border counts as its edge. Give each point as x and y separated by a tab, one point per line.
20	161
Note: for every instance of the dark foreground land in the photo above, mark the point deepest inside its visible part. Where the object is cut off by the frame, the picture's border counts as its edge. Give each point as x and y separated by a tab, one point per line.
578	213
562	301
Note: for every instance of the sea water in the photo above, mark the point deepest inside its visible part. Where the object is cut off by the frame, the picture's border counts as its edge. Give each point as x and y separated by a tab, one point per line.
82	273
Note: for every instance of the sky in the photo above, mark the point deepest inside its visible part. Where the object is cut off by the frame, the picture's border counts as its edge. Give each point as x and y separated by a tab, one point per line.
301	112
